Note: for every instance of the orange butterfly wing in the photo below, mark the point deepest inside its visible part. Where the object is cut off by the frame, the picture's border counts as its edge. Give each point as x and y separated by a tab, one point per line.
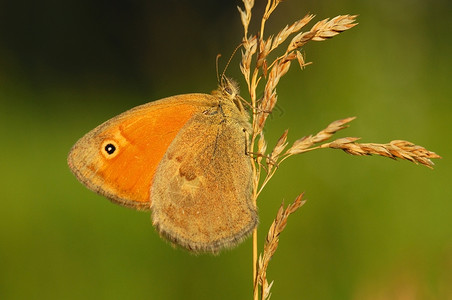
141	136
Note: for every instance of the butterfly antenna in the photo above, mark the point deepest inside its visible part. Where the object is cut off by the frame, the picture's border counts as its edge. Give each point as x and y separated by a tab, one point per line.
229	61
216	65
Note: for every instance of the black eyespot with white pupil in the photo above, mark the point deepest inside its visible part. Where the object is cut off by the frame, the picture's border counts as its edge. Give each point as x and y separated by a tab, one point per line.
110	148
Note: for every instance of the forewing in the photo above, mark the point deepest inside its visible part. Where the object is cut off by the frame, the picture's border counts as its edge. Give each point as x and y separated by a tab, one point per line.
141	136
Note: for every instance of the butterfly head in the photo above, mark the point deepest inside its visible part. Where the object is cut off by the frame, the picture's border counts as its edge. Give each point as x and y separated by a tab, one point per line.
228	89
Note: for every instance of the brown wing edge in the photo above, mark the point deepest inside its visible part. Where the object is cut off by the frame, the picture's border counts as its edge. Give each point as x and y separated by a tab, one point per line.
215	246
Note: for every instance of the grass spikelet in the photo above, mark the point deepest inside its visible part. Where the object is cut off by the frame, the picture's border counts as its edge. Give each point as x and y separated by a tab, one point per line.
289	30
395	149
328	28
280	146
245	15
304	143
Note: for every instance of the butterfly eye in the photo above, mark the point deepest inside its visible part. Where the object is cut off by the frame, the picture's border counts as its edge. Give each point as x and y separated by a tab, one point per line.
109	149
228	90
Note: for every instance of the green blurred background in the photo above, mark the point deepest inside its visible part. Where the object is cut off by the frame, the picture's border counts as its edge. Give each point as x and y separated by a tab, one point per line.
372	228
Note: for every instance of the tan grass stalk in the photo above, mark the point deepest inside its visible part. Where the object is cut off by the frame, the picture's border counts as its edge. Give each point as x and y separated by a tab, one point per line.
256	70
272	242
